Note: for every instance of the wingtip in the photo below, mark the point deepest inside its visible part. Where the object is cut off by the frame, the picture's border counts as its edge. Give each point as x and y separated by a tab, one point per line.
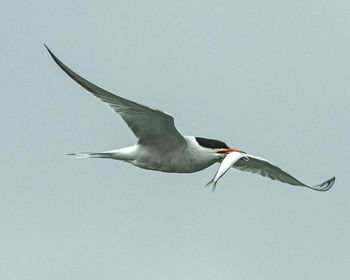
331	182
47	48
325	186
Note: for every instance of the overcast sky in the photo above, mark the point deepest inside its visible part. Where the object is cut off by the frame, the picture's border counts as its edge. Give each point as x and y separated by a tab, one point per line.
268	77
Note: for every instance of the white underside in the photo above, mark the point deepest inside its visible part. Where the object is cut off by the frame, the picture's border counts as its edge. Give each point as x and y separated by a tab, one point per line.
192	157
183	159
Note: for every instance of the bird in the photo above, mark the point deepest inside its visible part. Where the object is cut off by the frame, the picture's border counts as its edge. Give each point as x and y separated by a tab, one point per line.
161	147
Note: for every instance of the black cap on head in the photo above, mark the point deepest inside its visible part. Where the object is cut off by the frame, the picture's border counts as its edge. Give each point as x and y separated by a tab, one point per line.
211	143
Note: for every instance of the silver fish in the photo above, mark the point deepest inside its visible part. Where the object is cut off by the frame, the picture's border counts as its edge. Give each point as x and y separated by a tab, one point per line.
225	165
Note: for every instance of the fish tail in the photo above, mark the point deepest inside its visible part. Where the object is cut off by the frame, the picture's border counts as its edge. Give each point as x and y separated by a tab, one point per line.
213	183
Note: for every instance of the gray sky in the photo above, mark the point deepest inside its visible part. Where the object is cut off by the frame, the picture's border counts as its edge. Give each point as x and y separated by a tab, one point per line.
268	77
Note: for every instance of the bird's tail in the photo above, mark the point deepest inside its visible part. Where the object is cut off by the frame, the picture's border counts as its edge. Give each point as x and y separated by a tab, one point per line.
213	183
91	155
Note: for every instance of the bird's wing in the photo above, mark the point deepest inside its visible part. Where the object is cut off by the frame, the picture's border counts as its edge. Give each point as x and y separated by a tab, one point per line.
267	169
150	126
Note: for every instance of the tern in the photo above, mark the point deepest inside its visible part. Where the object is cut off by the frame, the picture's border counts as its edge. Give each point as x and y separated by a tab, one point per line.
161	147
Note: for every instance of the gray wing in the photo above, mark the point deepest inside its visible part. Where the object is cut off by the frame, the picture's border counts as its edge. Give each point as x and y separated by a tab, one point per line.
267	169
150	126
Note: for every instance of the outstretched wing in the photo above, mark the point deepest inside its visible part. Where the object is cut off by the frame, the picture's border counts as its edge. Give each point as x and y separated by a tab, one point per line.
150	126
267	169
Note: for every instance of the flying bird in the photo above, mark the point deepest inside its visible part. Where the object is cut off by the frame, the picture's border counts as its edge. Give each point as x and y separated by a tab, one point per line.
161	147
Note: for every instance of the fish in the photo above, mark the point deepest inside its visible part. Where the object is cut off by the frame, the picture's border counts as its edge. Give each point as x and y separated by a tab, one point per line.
225	165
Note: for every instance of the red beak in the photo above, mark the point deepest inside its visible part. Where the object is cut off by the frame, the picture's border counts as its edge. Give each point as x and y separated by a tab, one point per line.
230	150
234	150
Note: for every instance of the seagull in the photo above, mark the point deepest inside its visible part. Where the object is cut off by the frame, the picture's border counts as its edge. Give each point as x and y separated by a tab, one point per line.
161	147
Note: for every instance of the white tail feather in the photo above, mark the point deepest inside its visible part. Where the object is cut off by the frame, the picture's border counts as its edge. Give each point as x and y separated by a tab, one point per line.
91	155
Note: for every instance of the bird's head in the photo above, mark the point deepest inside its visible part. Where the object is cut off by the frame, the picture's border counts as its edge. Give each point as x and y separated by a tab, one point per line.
219	147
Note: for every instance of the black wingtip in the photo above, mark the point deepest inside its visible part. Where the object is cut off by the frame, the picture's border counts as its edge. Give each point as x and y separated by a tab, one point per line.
331	182
325	186
50	52
46	47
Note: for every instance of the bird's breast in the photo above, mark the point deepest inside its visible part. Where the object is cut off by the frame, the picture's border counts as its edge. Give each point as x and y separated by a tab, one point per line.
182	160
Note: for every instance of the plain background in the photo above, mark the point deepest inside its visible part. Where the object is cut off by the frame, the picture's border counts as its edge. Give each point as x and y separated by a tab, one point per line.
268	77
